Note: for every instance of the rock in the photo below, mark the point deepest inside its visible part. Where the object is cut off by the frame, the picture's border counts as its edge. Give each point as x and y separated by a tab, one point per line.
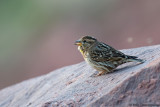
131	84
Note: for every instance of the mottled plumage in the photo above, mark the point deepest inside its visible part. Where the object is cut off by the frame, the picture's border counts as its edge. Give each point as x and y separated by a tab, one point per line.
101	56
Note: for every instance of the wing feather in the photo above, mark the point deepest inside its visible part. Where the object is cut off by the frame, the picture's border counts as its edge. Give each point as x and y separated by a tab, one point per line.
103	52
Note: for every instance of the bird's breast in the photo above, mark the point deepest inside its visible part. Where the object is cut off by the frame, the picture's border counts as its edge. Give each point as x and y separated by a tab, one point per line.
86	56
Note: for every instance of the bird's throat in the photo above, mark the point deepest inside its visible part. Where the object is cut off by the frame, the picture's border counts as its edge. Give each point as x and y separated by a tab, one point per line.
81	50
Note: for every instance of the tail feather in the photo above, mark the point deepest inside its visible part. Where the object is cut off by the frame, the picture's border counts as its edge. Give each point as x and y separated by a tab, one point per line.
132	57
135	58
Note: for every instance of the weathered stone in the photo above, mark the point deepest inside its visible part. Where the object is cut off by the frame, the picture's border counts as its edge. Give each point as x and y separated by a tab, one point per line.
130	84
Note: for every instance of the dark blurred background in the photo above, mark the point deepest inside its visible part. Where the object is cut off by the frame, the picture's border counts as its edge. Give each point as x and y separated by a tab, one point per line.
37	36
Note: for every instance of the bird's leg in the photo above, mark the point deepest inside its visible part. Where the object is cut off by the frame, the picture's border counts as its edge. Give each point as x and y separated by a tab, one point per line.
98	74
106	71
101	73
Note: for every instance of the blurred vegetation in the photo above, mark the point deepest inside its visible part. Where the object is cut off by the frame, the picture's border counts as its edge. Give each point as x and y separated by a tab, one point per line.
19	21
23	21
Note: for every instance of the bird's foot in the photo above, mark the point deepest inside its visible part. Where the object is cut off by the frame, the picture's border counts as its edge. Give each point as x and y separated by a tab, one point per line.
99	74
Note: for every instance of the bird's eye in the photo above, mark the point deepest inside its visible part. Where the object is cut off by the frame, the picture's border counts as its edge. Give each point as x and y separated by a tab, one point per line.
84	41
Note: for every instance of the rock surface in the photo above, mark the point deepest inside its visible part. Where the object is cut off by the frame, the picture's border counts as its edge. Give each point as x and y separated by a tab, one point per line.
132	84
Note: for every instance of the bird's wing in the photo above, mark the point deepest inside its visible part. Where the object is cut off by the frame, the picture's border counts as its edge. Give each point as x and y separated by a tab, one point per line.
103	52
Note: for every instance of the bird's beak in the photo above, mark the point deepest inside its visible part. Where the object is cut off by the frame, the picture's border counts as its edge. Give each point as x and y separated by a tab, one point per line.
78	42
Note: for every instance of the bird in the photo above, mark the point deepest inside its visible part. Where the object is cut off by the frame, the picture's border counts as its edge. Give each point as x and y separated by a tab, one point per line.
102	57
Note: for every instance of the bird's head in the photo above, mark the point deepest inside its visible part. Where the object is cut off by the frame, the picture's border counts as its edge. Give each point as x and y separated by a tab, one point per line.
86	42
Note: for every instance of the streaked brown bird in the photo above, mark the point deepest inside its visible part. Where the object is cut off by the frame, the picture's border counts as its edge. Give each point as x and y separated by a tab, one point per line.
101	56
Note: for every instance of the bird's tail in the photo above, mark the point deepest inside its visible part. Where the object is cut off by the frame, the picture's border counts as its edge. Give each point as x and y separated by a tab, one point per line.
134	58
